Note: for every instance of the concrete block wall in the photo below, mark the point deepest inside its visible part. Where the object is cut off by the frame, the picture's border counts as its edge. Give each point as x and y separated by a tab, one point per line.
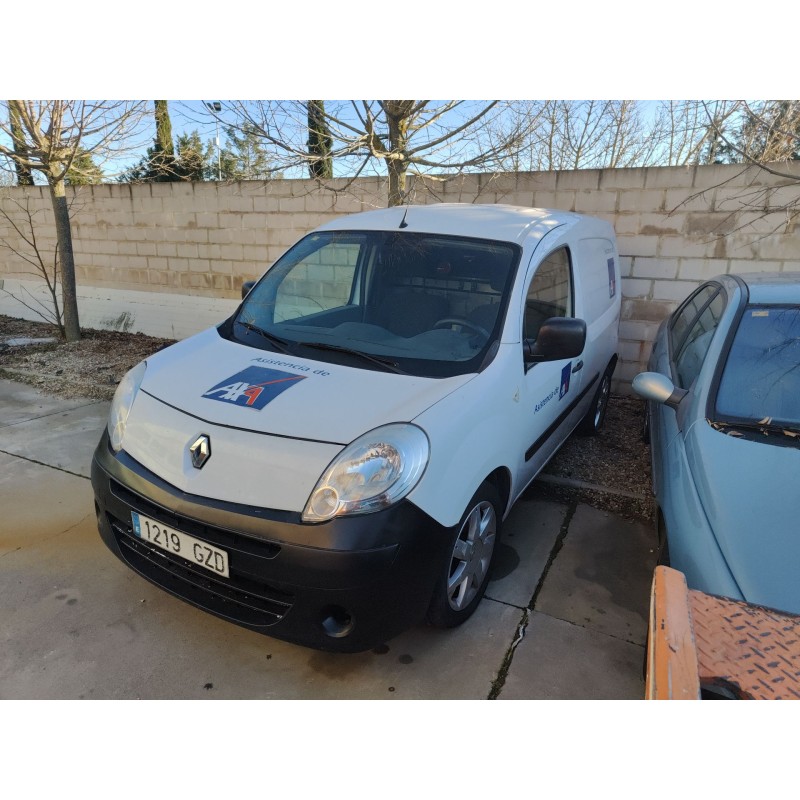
676	227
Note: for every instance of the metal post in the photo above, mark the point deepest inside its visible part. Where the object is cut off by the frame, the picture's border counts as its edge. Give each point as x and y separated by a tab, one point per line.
215	107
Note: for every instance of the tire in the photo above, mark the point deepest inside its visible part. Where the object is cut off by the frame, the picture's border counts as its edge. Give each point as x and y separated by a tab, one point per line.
592	423
466	572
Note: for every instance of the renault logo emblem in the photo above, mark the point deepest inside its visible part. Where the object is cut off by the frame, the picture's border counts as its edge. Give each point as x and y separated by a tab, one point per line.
200	451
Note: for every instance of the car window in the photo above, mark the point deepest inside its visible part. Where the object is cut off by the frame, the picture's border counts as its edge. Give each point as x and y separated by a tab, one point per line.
761	379
549	294
697	341
686	316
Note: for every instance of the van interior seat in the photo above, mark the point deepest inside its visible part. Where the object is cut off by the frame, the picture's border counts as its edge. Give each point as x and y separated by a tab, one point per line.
408	313
536	312
485	315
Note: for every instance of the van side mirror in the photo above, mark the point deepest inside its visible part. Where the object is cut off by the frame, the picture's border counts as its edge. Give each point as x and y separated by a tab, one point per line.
559	337
246	287
659	388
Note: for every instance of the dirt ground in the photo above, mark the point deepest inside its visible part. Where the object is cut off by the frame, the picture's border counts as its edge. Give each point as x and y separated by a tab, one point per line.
616	459
91	367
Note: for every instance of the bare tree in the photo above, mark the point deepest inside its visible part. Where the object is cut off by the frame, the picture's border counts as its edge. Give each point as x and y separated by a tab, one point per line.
683	131
763	138
610	134
49	137
403	136
760	133
22	219
24	177
575	134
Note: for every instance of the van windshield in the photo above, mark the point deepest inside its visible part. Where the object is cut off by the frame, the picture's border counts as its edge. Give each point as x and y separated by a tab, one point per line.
421	304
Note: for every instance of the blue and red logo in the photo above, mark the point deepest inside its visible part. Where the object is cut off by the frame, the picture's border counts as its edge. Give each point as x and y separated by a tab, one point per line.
612	278
253	387
565	376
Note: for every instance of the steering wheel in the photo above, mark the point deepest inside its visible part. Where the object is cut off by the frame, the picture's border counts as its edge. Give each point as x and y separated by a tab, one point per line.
462	322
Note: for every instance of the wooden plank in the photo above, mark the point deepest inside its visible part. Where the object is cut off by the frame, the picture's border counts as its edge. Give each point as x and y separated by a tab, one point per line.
672	672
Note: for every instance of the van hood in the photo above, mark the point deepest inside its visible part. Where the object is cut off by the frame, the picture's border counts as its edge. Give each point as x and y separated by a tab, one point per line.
227	383
749	494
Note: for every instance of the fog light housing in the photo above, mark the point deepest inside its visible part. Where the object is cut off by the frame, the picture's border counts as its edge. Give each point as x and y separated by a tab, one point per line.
337	622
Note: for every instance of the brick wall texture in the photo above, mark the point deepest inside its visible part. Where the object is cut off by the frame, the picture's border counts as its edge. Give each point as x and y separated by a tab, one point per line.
676	227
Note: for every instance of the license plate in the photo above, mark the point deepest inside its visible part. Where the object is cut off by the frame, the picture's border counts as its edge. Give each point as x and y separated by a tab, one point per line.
200	553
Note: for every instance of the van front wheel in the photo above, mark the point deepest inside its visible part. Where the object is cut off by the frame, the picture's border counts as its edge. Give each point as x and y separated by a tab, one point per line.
466	573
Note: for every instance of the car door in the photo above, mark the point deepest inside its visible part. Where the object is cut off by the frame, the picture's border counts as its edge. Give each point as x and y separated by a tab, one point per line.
689	335
548	388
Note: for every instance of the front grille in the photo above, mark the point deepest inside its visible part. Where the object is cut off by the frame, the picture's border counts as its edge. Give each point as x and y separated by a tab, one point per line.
227	540
239	598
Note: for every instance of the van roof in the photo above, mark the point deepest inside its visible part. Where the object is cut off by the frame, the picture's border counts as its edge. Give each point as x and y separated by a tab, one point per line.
498	222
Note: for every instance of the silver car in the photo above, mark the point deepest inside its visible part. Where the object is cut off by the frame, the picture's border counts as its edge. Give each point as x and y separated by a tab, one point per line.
723	421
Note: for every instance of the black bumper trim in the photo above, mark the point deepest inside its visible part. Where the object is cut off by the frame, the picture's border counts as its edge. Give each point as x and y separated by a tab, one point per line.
251	605
380	569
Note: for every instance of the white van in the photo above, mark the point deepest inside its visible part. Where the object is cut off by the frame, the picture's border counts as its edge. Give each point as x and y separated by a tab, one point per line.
332	464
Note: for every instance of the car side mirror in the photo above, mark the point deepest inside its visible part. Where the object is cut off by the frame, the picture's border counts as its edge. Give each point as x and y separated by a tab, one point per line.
559	338
246	287
659	388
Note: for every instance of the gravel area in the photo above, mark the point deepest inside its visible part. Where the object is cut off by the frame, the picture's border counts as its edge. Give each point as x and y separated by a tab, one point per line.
616	460
91	367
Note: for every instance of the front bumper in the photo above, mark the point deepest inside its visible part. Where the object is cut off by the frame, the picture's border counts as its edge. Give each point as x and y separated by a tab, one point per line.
345	585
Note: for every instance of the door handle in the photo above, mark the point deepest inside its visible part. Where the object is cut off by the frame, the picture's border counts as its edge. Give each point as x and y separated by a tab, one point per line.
577	367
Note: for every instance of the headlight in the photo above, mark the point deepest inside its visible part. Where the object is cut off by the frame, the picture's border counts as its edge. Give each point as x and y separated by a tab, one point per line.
121	404
373	472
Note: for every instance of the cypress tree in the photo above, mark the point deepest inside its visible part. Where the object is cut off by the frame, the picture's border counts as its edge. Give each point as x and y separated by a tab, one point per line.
163	157
320	141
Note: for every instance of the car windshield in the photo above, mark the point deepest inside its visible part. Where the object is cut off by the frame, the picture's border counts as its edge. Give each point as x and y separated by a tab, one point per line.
421	304
760	383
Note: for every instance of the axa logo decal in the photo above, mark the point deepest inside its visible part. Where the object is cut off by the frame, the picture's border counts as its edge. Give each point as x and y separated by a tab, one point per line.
565	376
612	278
253	387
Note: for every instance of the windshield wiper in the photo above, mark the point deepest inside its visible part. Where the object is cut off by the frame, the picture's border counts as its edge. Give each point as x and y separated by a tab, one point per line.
281	344
765	426
385	363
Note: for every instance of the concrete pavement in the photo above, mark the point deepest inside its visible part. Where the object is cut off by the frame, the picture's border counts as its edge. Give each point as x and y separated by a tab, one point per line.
564	617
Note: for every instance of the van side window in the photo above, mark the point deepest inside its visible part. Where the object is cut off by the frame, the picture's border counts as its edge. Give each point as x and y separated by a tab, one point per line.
550	292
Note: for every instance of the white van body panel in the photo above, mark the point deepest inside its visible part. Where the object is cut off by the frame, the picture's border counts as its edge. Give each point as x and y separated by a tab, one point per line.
498	222
476	423
246	467
323	402
472	433
598	295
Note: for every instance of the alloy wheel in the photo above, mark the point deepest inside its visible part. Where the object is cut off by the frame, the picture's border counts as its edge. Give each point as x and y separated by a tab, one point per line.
472	555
